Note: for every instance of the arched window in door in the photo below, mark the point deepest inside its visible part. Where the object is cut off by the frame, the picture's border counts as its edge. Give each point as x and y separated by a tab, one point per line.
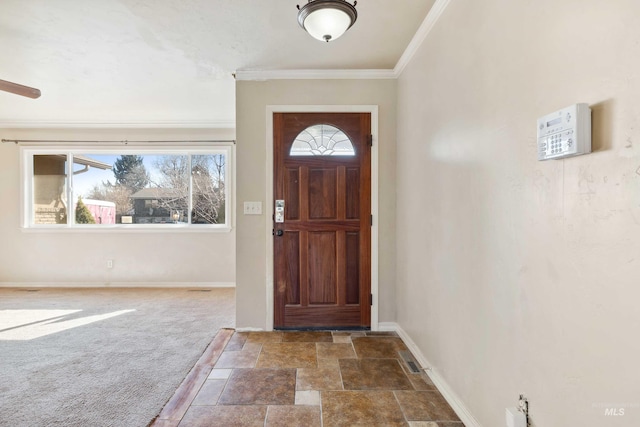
322	140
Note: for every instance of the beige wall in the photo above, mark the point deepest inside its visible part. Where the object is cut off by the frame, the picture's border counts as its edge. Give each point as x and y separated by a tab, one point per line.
516	275
79	258
252	100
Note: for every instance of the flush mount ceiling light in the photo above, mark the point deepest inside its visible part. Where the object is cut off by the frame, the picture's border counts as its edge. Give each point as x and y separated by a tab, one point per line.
327	20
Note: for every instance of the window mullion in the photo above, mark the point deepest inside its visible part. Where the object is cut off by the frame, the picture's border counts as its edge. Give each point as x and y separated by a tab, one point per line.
71	212
225	177
190	201
30	196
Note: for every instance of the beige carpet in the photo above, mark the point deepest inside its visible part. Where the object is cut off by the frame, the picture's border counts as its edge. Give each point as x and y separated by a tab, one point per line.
101	357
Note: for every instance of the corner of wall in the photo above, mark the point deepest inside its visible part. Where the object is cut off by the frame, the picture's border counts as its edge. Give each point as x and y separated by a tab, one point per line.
438	380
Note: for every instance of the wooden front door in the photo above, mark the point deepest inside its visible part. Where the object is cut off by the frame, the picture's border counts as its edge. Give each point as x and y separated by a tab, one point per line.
322	221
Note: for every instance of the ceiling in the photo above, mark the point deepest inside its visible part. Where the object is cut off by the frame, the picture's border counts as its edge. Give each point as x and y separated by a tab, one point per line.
170	62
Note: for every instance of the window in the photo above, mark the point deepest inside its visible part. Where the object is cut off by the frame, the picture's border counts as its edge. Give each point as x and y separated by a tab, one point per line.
322	140
142	188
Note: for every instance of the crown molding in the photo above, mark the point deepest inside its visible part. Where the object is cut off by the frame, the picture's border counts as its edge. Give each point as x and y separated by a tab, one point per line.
263	75
423	31
150	124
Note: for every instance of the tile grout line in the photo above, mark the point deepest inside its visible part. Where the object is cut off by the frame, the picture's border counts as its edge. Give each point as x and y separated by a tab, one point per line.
395	396
340	369
266	415
319	391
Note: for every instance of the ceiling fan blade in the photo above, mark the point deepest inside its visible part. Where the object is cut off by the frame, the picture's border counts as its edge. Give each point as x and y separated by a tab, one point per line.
27	91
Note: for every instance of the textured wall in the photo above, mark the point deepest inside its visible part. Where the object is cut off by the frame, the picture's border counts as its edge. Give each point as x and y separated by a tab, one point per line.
79	257
516	275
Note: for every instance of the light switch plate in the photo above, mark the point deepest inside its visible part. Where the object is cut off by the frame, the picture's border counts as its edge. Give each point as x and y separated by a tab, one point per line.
253	208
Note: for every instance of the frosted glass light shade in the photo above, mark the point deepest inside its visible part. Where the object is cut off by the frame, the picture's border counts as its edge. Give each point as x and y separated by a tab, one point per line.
327	20
327	24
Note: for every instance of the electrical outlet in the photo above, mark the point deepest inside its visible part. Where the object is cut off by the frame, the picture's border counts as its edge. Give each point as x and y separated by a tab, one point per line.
109	263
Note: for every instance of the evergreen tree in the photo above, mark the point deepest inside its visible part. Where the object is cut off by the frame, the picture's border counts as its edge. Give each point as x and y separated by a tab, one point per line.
83	214
130	172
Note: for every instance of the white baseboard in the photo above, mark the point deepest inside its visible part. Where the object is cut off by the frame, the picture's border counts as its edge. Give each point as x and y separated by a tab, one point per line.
445	389
387	326
249	329
198	285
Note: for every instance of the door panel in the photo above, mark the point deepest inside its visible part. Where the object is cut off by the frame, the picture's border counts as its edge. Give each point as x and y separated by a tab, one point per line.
322	250
353	193
292	194
322	193
292	246
322	267
352	255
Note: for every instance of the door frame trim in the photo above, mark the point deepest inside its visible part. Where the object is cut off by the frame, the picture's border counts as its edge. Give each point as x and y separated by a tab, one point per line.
373	110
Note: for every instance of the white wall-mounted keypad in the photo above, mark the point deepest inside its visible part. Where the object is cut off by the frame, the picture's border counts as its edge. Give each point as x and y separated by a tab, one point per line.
565	133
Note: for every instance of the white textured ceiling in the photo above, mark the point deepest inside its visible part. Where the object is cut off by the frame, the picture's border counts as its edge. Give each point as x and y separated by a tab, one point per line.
171	61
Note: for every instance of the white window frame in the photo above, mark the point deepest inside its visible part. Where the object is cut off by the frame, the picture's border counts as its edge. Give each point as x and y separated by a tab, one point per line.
27	193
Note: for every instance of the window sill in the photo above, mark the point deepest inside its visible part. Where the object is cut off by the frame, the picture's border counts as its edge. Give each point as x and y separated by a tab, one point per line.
128	229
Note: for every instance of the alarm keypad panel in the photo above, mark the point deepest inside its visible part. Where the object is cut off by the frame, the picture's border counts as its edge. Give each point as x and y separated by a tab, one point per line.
565	133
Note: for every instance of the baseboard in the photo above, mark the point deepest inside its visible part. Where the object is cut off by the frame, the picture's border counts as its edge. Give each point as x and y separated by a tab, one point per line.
387	326
198	285
445	389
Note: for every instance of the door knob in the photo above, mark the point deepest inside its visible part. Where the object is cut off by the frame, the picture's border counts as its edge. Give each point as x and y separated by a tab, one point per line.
278	233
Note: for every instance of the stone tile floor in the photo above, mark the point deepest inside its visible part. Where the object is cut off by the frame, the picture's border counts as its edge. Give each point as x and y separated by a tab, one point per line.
309	379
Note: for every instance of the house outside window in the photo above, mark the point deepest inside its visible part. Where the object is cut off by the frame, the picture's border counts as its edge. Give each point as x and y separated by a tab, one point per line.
132	188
